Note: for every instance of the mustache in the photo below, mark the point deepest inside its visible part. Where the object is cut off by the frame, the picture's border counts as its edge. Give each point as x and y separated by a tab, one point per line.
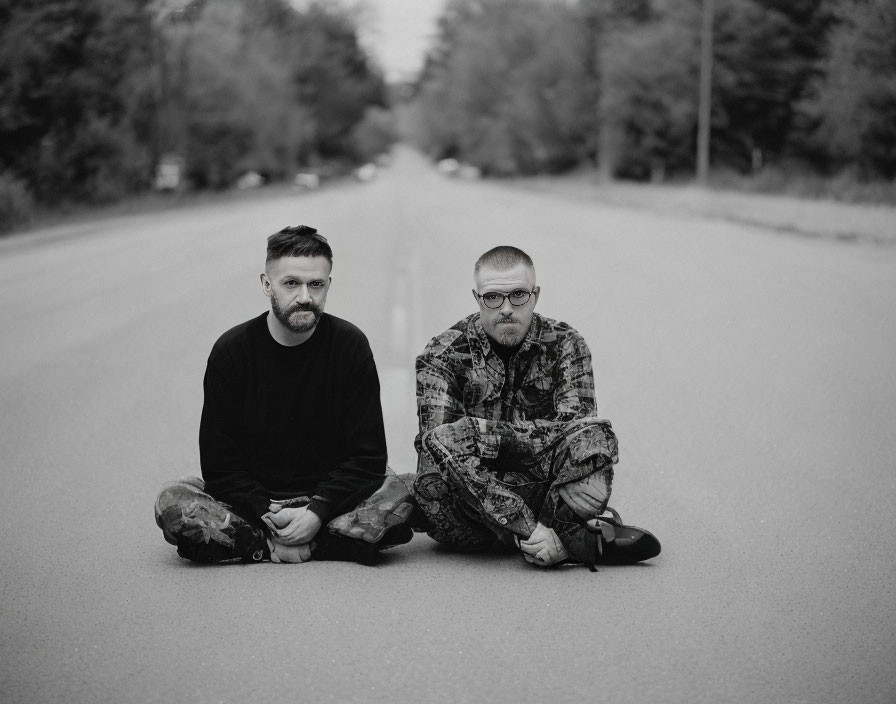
303	306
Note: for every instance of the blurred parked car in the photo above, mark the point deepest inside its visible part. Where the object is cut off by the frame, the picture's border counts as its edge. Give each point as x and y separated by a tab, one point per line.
307	180
452	167
170	173
250	179
449	167
366	172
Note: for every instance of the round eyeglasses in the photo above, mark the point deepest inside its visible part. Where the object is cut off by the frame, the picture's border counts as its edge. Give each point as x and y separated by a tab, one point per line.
495	300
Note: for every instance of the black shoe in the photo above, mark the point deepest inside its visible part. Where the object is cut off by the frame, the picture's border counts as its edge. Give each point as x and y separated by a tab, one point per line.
249	545
333	547
606	541
418	521
396	535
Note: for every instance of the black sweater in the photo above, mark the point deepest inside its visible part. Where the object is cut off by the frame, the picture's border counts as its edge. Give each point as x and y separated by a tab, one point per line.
280	422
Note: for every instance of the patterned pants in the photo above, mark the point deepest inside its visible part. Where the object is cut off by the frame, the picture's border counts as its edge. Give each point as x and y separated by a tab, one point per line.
186	513
481	485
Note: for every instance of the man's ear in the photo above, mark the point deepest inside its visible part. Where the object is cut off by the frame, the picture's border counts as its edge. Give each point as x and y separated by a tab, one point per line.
475	295
535	291
266	285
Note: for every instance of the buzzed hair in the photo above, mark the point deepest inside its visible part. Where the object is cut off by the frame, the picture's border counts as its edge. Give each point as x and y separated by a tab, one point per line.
298	241
502	258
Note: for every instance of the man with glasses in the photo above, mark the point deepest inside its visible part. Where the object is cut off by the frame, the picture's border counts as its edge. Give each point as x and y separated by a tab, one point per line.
291	440
510	449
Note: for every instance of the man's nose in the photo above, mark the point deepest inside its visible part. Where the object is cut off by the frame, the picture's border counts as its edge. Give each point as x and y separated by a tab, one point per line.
506	308
303	294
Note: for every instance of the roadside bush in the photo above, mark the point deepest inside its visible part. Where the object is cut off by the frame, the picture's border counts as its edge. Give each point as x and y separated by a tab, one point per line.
96	161
16	205
791	179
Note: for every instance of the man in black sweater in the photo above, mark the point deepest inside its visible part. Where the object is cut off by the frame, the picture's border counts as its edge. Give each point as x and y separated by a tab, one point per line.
291	438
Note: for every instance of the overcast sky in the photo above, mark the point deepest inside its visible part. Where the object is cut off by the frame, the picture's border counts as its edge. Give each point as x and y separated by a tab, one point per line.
399	33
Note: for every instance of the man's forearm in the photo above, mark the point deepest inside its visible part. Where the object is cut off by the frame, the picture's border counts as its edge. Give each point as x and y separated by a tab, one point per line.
237	488
348	484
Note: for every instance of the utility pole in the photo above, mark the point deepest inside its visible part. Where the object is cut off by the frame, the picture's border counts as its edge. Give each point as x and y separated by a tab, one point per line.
705	107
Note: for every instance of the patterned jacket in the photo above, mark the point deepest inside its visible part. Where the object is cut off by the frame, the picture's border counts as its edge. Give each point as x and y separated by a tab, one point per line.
547	395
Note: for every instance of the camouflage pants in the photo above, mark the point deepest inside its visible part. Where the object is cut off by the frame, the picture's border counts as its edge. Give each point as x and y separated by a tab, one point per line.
481	485
185	512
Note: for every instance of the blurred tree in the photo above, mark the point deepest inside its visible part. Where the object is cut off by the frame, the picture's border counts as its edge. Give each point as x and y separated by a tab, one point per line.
374	134
649	95
506	86
95	91
765	53
264	87
235	110
333	77
853	102
75	77
440	112
764	56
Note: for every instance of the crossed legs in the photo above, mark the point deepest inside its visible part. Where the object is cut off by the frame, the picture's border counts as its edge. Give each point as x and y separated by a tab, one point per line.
207	530
478	490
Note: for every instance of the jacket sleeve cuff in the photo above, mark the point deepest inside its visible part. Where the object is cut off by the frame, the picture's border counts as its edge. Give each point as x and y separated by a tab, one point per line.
323	509
259	504
522	525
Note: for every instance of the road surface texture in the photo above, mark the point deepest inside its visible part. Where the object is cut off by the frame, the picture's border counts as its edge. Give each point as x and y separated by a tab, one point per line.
749	374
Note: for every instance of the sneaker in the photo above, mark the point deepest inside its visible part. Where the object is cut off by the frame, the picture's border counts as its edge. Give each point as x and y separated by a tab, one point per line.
605	540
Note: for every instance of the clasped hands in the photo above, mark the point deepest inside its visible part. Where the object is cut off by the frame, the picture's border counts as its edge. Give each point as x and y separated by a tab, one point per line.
587	497
543	547
292	532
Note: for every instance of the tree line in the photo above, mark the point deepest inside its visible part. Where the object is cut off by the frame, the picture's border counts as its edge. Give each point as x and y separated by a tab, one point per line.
537	86
93	93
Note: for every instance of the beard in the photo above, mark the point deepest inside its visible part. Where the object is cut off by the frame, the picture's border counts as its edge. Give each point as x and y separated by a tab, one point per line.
509	335
510	338
300	324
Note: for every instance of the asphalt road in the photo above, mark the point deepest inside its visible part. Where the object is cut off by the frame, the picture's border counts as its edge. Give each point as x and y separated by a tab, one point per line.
749	375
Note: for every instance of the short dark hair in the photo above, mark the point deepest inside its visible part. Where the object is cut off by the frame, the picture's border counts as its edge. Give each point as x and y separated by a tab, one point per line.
298	241
502	258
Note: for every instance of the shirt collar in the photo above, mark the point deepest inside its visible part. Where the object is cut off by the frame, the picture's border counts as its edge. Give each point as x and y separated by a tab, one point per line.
532	341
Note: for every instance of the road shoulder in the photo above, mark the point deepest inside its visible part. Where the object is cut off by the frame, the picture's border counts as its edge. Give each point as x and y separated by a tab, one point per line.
845	222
